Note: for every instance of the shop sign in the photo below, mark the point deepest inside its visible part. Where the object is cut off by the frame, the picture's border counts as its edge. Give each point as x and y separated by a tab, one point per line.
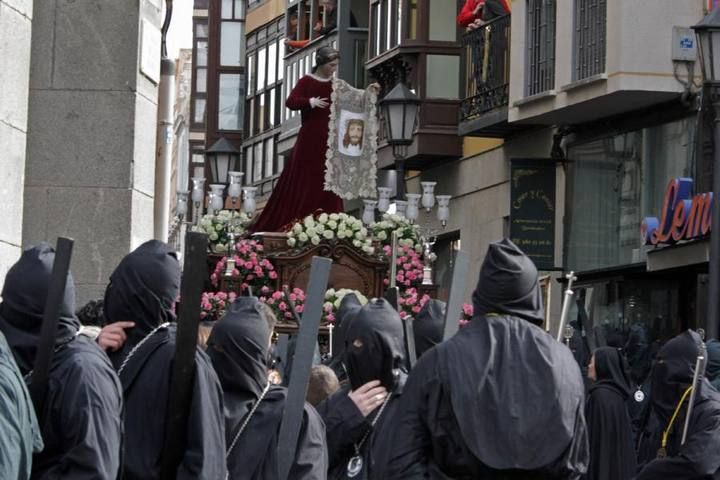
532	209
684	216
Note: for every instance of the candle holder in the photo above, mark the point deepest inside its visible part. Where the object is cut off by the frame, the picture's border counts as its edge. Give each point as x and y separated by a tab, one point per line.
249	204
235	188
198	195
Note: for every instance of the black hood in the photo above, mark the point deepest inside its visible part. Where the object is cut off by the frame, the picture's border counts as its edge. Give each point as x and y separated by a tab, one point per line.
349	307
638	352
611	370
713	363
429	326
24	295
673	371
143	289
508	284
381	356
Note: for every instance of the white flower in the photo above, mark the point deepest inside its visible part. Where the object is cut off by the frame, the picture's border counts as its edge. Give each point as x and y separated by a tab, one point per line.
329	234
418	248
396	218
291	242
214	237
357	243
364	231
348	234
359	235
342	226
219	227
323	218
341	234
319	228
382	236
369	250
334	217
303	237
337	303
332	224
298	228
329	294
309	222
310	231
315	240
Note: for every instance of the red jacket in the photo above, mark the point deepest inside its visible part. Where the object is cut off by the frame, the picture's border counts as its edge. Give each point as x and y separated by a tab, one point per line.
466	15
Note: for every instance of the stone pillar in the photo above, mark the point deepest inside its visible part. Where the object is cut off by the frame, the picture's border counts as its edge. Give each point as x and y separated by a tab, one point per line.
91	131
15	33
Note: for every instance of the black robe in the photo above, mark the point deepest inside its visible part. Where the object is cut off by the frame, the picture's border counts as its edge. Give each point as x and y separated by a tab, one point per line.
143	289
429	326
612	451
238	347
501	399
699	457
81	423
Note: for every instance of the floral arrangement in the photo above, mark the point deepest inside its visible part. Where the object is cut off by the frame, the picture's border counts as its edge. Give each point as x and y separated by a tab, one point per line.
329	227
407	233
409	272
220	225
254	270
333	298
467	314
277	302
410	302
214	304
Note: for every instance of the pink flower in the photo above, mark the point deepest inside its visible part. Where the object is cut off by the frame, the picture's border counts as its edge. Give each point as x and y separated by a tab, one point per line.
407	283
265	289
244	287
300	308
464	323
273	275
270	301
407	266
214	278
401	301
403	314
250	278
416	309
406	249
235	272
468	309
330	318
248	265
232	296
386	282
412	301
288	315
283	306
278	295
203	314
399	261
293	297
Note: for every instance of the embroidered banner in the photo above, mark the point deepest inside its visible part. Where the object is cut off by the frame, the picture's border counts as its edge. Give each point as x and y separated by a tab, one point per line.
351	158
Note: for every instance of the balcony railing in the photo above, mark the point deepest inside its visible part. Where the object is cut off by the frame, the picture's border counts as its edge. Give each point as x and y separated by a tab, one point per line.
486	53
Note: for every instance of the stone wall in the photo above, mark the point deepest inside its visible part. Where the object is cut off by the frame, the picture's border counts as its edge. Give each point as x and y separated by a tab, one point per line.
15	34
91	142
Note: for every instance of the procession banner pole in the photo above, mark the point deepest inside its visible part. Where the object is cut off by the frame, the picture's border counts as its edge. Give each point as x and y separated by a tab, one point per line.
51	316
697	378
566	305
302	363
457	291
183	374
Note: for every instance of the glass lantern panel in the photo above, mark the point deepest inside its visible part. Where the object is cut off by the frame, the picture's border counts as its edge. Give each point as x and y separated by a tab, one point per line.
714	55
411	112
394	120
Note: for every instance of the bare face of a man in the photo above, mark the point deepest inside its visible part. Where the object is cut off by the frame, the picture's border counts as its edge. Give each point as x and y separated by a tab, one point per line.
355	132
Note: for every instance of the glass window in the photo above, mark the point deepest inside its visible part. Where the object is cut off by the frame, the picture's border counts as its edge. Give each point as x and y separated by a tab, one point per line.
258	162
616	182
399	22
412	19
251	74
239	9
183	166
231	44
199	172
262	61
272	63
201	80
198	158
442	25
269	157
377	29
262	113
281	68
230	102
247	178
227	9
199	110
202	53
272	121
201	30
251	117
443	80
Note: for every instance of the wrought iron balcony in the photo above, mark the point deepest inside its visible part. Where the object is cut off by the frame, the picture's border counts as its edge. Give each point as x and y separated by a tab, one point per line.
486	56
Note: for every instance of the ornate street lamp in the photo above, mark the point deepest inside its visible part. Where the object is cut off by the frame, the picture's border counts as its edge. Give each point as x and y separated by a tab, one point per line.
708	36
400	110
223	158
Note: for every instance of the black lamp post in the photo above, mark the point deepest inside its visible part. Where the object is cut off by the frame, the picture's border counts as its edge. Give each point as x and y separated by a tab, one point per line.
708	36
223	157
400	109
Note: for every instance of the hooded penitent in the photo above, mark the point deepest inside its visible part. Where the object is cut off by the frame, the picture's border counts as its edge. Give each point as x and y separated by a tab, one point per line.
83	389
612	452
24	294
238	348
143	289
508	284
349	306
429	326
713	363
374	345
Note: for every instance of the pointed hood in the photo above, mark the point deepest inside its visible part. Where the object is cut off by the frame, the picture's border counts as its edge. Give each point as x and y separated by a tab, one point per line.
508	284
611	370
429	326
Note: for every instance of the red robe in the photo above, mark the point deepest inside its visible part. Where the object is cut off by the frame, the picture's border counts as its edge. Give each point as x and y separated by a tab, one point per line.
466	15
300	189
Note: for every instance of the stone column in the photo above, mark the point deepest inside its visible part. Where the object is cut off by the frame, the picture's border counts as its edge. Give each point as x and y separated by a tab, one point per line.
91	131
15	32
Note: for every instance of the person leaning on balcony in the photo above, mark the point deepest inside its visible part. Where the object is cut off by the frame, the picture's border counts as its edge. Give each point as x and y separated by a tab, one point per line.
475	13
330	7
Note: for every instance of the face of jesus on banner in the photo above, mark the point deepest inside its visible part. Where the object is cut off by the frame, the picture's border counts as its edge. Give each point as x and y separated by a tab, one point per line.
352	138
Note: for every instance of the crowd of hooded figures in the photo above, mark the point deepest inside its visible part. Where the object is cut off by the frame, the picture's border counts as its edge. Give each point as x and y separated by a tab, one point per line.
501	399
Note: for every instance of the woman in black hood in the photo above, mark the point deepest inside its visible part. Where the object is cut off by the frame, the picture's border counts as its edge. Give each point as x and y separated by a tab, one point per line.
238	348
612	453
356	415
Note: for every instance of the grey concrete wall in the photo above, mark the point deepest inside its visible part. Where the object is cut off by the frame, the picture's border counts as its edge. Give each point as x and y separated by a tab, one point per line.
15	34
91	133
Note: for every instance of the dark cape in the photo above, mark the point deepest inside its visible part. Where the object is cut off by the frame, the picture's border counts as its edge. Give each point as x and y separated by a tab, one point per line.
19	431
612	451
713	365
501	399
639	353
382	358
143	289
238	347
349	306
699	457
81	423
429	326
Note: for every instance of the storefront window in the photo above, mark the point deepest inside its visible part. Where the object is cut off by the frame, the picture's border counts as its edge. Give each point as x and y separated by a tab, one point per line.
613	184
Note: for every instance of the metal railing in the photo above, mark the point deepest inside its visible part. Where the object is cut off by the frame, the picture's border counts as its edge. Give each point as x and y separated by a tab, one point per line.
590	46
540	40
486	56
